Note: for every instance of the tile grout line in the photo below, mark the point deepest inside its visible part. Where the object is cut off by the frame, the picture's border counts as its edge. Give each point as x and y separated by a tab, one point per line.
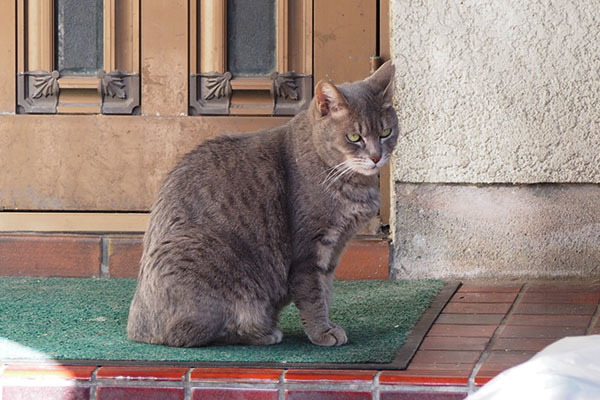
593	321
187	384
104	257
424	388
94	383
281	384
471	383
375	386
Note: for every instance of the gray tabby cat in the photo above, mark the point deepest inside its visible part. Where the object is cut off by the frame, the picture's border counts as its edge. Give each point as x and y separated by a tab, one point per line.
245	224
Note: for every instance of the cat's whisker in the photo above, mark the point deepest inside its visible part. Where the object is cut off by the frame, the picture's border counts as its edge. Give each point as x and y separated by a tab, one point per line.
368	164
331	171
334	177
330	175
365	166
360	163
354	165
334	171
349	168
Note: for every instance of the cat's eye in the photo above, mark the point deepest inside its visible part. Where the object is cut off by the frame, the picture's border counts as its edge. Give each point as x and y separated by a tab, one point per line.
386	132
353	137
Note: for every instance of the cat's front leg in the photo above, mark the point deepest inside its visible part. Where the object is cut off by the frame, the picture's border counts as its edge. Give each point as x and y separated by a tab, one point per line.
312	296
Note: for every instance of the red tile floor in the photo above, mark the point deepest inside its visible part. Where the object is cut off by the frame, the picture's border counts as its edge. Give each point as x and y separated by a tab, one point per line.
483	330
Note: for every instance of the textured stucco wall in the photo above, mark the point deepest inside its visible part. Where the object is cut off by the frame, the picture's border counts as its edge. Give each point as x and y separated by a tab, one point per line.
497	91
493	98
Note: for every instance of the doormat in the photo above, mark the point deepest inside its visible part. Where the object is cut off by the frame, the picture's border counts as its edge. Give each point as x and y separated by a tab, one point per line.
84	321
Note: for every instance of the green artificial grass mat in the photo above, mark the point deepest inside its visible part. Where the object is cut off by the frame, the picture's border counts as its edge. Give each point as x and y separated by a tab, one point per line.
86	319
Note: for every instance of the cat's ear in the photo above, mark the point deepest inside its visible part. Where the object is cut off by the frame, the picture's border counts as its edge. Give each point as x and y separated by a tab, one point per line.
329	100
388	93
381	82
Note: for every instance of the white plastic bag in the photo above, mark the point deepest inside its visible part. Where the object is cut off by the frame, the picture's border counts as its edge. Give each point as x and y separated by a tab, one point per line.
568	369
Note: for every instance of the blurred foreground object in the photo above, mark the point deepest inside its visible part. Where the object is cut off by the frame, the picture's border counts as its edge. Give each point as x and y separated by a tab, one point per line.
568	369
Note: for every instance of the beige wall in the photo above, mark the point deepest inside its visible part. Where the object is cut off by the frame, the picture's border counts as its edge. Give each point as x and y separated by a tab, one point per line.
99	162
497	91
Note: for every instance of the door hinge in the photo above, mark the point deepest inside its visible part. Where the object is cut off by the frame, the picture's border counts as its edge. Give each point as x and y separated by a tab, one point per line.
375	63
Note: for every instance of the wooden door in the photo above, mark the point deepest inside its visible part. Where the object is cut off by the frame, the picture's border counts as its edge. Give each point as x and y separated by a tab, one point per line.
67	152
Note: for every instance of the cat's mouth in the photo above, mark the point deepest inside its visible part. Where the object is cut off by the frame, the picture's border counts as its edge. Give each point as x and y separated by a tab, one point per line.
367	167
368	171
350	166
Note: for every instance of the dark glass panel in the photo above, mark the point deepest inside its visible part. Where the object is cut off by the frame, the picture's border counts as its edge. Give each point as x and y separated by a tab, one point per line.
79	36
251	37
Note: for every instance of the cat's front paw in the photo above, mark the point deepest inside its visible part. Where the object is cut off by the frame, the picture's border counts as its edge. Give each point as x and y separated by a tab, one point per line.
274	338
335	336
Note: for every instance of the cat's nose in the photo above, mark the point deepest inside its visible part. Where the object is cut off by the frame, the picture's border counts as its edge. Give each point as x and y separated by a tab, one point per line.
375	159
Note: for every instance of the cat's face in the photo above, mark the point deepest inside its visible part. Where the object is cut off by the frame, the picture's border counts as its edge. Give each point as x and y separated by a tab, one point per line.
356	124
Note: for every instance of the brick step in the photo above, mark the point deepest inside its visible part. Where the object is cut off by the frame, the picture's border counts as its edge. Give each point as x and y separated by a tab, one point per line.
117	256
62	382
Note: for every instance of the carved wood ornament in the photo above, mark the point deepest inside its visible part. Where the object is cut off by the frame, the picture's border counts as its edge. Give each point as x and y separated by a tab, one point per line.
215	90
39	92
210	93
120	92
